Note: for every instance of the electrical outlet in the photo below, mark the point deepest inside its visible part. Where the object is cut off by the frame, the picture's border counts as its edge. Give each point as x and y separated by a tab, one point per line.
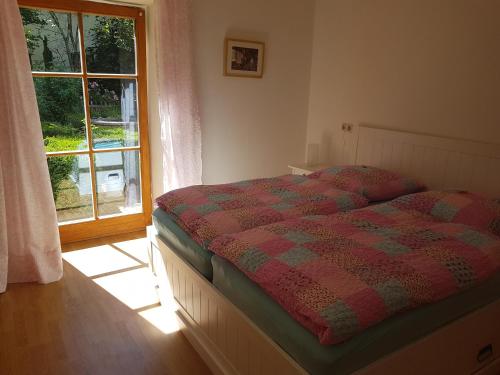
347	127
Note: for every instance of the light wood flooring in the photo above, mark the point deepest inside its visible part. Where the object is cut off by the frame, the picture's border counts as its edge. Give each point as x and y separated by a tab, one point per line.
103	317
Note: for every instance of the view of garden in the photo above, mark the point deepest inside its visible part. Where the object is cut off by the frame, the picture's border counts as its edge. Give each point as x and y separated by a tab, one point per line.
54	46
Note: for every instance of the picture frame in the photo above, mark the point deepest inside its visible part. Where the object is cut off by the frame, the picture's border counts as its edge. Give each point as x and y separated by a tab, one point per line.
243	58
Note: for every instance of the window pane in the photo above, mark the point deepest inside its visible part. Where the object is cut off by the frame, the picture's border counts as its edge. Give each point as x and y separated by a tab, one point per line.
118	182
109	44
62	114
71	187
113	110
52	39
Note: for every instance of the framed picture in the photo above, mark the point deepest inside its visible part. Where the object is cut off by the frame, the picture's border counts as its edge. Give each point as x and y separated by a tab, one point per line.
244	58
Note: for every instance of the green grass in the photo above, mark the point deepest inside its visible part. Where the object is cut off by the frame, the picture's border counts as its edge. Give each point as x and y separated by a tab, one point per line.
108	133
59	137
50	129
53	144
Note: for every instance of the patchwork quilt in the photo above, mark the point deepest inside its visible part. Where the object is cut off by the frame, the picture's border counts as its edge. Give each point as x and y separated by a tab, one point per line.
340	274
207	211
455	206
374	183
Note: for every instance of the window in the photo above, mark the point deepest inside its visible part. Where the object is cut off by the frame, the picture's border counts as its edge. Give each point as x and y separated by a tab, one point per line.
88	67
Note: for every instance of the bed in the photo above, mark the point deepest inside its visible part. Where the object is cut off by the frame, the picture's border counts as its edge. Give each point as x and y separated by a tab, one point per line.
235	342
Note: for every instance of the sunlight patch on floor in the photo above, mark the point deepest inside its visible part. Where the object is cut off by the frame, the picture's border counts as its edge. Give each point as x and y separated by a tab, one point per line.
162	318
99	260
135	248
134	288
109	268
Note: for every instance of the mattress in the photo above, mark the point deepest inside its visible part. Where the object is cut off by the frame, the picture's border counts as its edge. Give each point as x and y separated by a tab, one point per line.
362	349
181	243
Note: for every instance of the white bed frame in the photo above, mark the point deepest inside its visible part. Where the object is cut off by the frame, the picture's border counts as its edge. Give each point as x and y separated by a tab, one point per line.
230	343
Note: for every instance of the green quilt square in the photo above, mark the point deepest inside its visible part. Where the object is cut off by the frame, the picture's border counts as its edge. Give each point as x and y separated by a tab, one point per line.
296	256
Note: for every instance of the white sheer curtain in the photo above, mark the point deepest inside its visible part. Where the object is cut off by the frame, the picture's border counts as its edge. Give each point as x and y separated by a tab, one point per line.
29	242
178	107
130	162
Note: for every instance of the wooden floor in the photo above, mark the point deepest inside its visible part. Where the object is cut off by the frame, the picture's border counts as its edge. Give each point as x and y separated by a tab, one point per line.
103	317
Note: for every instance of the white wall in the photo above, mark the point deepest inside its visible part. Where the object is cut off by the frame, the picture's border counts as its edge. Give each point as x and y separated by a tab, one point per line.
253	127
425	66
250	127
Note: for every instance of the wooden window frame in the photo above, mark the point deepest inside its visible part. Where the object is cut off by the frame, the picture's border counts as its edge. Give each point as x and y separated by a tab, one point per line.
105	226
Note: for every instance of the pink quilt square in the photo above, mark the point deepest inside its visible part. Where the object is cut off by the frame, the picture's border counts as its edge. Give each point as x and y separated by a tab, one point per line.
256	236
276	246
198	200
457	200
270	272
448	229
368	254
267	198
189	216
368	306
343	285
223	222
367	238
318	269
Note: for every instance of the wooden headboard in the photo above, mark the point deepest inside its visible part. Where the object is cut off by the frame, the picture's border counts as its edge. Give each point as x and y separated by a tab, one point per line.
439	162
